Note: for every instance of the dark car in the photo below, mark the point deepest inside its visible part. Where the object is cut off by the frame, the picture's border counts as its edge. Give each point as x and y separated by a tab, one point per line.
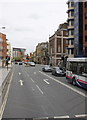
47	68
16	62
58	71
20	63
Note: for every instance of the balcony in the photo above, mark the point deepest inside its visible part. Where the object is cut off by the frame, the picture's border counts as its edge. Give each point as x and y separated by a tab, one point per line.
70	46
70	18
70	37
70	9
70	27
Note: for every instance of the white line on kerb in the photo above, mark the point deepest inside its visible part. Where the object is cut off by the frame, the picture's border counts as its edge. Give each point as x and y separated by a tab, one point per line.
62	116
83	115
46	81
73	89
32	80
39	89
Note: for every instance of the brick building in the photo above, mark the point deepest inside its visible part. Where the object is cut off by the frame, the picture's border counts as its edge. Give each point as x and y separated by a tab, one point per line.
58	45
3	46
42	53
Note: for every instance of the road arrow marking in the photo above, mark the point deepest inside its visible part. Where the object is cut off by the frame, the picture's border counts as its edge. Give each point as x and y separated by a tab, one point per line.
45	80
19	73
21	82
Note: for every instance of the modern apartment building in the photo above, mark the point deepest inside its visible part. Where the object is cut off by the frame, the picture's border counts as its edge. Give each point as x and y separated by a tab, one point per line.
77	28
58	45
19	52
3	46
70	28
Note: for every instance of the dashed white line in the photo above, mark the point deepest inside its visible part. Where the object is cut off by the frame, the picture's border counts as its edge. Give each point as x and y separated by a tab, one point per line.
45	80
73	89
61	117
32	80
83	115
19	73
39	89
35	73
27	73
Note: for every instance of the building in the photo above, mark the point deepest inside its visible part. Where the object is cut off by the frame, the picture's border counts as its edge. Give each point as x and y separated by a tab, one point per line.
3	46
77	32
19	53
8	48
70	28
58	45
42	53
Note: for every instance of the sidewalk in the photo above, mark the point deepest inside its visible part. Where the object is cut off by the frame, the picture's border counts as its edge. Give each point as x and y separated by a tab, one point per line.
3	75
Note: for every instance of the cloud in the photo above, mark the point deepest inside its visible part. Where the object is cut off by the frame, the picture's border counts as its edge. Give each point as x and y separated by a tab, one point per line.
21	29
34	16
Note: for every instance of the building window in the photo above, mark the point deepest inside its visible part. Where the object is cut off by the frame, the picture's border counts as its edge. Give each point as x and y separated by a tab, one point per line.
85	26
72	32
86	38
85	4
85	15
85	51
72	42
71	51
72	13
72	4
68	51
72	23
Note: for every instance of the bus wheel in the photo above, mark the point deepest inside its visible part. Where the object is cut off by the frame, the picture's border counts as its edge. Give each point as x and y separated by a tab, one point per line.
74	82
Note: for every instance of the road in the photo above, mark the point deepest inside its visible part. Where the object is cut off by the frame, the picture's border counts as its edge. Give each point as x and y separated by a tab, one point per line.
35	94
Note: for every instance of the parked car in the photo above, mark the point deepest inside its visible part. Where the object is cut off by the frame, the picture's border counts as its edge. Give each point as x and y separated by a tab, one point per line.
16	62
58	71
32	64
47	68
20	63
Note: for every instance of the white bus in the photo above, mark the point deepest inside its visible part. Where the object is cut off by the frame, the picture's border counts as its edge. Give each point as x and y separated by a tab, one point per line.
76	71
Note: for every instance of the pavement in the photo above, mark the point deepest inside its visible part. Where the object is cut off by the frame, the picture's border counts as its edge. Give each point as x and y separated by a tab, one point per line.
36	94
3	76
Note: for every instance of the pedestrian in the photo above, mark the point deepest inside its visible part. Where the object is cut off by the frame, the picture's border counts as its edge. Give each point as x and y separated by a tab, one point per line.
7	62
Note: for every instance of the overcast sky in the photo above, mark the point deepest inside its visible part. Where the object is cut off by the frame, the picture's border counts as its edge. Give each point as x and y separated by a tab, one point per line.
29	22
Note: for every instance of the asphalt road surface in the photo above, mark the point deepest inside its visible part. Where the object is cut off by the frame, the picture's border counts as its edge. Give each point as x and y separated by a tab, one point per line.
36	94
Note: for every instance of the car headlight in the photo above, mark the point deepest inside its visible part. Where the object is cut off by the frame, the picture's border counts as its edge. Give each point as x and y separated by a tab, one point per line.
57	71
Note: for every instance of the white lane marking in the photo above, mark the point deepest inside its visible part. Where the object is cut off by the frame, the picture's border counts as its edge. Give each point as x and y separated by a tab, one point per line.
83	115
32	80
73	89
19	73
21	82
45	80
61	116
5	98
33	89
39	89
27	73
35	73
